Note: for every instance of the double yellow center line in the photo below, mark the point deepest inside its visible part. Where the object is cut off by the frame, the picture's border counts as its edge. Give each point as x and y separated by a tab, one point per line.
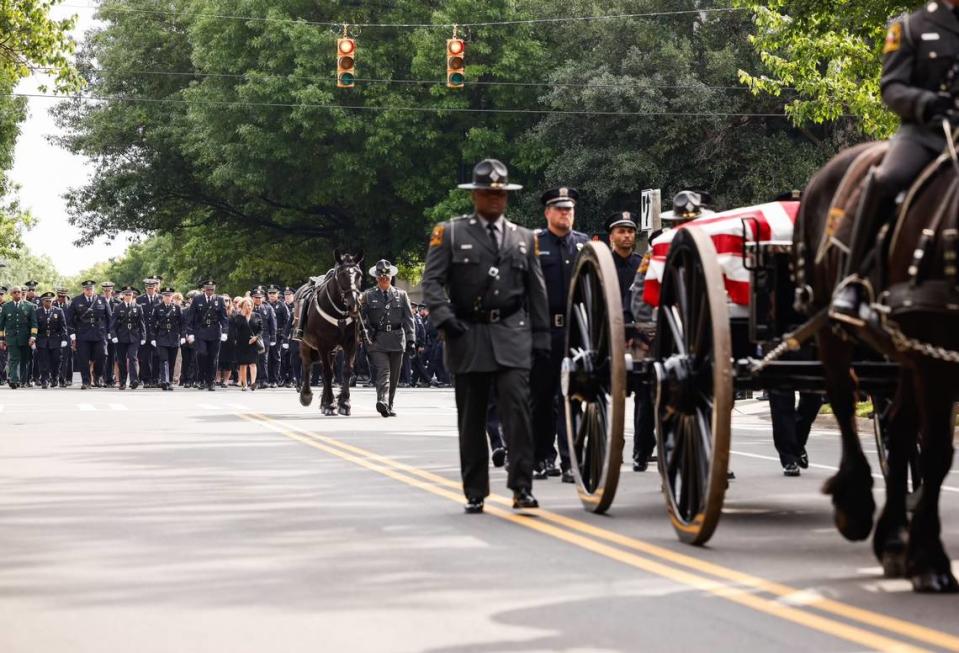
775	599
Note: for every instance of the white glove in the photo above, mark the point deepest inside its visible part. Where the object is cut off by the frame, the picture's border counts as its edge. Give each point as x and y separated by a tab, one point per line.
143	342
286	345
114	340
153	343
191	339
222	337
63	343
273	343
73	336
182	341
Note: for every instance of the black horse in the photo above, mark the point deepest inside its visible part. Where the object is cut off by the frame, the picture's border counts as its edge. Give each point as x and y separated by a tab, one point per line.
331	307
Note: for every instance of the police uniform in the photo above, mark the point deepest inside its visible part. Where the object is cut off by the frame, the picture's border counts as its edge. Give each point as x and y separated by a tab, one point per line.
66	359
3	352
167	330
148	358
31	374
557	257
268	315
18	330
88	321
420	374
280	342
625	266
128	331
51	340
389	320
208	328
291	363
485	289
919	83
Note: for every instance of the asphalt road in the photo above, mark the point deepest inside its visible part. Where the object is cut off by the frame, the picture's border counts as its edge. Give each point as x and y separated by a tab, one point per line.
194	521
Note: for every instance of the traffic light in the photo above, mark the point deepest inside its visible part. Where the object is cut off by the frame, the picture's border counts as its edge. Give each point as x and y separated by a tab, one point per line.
345	63
455	63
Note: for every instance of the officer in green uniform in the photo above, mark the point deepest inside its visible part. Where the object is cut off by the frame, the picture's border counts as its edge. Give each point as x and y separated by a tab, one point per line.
389	318
18	334
484	285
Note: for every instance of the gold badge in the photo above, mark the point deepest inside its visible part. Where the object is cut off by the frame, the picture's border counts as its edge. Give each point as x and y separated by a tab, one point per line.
893	39
437	238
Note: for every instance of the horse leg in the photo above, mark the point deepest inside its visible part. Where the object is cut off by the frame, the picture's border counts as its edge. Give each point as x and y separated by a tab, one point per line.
851	486
343	400
928	564
307	355
327	404
890	539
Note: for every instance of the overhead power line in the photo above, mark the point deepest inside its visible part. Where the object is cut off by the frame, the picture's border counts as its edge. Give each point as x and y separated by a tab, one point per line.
418	109
303	21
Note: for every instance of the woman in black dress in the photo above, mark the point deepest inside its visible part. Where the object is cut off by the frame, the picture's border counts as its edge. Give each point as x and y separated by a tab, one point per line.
227	361
245	327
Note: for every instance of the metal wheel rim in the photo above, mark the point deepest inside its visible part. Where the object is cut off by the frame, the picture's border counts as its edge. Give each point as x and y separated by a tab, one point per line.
594	431
694	441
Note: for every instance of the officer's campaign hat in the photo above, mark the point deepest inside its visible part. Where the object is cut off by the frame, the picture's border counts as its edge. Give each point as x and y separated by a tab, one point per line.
108	284
687	205
168	291
127	290
31	285
209	283
88	284
490	174
622	219
383	268
561	198
47	297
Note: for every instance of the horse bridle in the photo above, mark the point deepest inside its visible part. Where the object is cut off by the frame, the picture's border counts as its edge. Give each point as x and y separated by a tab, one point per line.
343	315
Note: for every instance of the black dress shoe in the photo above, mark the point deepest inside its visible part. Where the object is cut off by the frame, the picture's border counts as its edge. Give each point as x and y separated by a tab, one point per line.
473	506
539	472
391	412
499	457
552	469
383	409
524	499
122	386
134	385
44	385
804	459
791	470
640	465
84	386
568	476
211	388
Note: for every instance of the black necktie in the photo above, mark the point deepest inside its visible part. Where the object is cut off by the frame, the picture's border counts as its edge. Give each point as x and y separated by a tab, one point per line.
492	235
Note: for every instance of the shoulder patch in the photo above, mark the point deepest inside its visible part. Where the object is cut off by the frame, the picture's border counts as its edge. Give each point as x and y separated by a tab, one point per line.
893	39
644	264
437	238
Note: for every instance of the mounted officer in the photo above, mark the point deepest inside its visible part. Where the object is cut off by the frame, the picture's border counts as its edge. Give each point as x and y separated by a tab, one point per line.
88	320
920	80
51	340
687	206
18	335
484	286
128	332
167	328
208	328
559	246
389	319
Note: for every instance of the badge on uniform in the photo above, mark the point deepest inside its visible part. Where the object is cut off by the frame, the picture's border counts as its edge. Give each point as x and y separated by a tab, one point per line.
579	247
893	39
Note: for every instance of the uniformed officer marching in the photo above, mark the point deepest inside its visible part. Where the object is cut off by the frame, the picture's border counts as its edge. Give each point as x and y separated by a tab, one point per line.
66	360
128	331
167	328
920	83
149	361
51	340
209	326
18	335
559	246
389	319
280	342
3	352
31	374
484	286
291	347
88	321
109	378
269	335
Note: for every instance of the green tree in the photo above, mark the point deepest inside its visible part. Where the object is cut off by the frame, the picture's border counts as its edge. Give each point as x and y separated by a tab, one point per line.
826	56
30	267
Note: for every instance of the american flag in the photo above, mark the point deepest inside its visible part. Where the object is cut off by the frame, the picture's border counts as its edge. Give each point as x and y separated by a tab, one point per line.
765	222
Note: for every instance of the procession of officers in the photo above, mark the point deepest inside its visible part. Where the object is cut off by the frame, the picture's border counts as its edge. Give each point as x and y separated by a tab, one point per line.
494	303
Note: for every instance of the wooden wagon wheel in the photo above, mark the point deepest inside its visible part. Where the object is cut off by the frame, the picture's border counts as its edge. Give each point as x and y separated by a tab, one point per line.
594	377
694	393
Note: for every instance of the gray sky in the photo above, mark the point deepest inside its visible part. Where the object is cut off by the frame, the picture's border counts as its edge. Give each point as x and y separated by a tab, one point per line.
46	172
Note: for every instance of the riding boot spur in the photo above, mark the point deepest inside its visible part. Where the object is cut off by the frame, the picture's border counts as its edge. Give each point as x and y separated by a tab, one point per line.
854	292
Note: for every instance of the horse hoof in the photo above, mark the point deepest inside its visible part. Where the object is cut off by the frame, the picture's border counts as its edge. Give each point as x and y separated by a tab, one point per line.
344	411
306	400
853	527
894	563
853	506
935	582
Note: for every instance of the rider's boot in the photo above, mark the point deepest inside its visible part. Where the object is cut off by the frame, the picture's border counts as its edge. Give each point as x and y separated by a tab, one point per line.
304	313
853	293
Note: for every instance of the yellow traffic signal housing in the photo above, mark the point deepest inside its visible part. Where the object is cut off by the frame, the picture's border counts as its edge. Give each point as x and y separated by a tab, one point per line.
345	63
455	63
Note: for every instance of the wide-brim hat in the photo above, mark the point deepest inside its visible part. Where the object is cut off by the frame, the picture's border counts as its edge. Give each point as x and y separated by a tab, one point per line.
490	174
384	267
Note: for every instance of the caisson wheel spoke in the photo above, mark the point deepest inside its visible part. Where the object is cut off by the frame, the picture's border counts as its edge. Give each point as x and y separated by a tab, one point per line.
704	435
671	314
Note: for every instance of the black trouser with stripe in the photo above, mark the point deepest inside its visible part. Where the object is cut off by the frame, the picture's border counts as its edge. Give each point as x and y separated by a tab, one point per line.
127	361
207	352
167	358
48	361
90	351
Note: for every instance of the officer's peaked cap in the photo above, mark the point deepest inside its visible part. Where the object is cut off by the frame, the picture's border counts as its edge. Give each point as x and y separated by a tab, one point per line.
490	174
209	283
562	197
107	284
167	291
621	219
47	296
30	285
126	290
88	284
